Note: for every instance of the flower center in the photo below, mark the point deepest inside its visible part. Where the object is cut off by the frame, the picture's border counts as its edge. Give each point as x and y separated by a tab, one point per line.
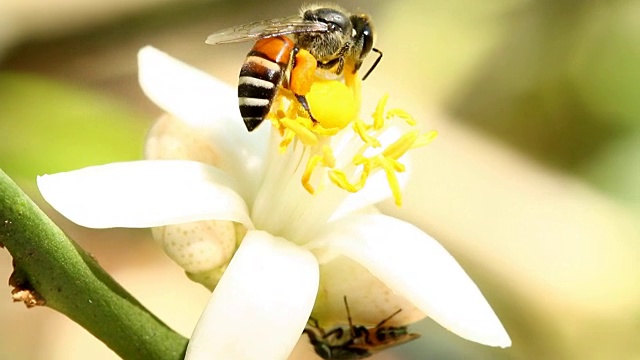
312	161
341	145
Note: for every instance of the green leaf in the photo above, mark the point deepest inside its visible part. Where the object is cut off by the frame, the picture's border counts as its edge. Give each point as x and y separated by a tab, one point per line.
47	126
616	169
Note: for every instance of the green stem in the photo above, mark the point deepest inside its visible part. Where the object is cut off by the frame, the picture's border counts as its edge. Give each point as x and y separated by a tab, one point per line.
56	270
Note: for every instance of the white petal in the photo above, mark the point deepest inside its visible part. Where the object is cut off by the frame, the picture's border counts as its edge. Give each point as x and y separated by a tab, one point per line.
207	104
143	194
186	92
262	303
370	299
417	267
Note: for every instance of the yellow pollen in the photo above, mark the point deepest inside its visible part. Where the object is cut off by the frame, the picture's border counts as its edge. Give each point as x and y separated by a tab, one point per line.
334	106
326	159
302	128
361	129
402	115
378	114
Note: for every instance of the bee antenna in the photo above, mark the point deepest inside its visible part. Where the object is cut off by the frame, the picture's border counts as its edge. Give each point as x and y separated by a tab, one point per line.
313	321
388	318
351	327
375	63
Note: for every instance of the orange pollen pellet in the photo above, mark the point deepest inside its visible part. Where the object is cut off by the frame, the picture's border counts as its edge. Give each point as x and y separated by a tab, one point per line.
303	73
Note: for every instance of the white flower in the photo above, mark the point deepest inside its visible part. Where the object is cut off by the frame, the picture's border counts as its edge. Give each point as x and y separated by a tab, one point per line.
297	250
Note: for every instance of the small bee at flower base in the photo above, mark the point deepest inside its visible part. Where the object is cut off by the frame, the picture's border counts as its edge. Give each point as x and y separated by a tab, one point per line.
325	38
356	341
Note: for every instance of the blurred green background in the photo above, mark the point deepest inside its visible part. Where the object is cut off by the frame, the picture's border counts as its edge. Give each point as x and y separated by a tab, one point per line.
533	183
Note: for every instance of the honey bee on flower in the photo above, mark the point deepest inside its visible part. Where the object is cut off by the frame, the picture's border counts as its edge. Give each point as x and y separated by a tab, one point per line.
324	37
308	87
356	341
224	202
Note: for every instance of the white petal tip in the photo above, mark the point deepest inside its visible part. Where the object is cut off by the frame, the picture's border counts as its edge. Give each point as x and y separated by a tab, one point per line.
417	267
499	338
268	289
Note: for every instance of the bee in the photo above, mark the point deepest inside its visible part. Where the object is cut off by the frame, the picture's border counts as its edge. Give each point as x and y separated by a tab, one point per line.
325	38
356	342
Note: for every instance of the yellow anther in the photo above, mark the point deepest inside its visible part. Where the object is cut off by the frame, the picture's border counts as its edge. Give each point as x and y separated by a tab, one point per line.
334	106
339	178
378	114
361	129
326	160
359	160
395	164
301	129
287	137
402	145
313	162
392	179
293	109
402	115
425	139
275	117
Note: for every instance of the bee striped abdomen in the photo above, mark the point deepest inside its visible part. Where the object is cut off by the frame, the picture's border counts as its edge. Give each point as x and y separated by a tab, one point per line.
260	77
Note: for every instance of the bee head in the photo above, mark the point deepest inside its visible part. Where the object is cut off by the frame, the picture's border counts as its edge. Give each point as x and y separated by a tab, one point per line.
362	38
326	45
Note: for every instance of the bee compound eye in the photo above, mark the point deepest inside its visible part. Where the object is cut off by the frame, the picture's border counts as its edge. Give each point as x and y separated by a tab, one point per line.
363	33
334	27
323	350
336	20
367	39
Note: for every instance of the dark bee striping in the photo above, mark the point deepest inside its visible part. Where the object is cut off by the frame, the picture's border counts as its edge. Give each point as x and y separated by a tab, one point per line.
336	39
259	71
282	62
252	111
259	80
252	122
254	91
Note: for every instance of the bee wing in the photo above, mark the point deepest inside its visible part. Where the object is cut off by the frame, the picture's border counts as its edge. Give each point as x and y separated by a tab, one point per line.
266	28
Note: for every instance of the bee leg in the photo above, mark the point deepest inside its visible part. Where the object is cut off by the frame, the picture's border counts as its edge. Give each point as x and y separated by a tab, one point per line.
337	333
303	101
341	53
340	66
339	62
313	322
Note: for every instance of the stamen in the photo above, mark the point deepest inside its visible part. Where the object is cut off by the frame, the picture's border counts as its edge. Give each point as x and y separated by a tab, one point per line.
287	137
402	145
361	129
326	159
301	127
306	177
399	113
339	178
334	105
378	114
425	139
389	167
